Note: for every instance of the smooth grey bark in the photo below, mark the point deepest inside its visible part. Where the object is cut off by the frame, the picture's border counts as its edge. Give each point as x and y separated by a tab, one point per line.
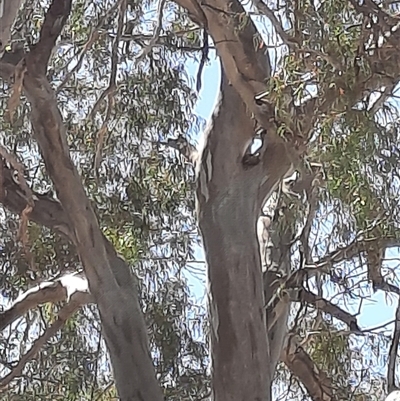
277	270
110	280
230	195
8	13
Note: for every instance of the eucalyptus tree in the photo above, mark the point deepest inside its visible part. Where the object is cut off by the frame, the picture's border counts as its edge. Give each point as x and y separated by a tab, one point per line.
138	188
322	109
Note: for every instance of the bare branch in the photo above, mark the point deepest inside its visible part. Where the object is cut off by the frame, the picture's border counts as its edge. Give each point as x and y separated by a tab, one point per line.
114	63
355	248
146	51
329	308
49	291
110	91
265	10
93	36
77	300
316	382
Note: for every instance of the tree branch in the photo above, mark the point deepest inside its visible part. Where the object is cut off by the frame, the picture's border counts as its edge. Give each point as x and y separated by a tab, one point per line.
48	291
233	33
355	248
77	300
110	279
316	382
329	308
265	10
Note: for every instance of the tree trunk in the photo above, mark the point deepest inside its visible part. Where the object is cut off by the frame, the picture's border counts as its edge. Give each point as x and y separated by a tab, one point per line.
109	277
230	194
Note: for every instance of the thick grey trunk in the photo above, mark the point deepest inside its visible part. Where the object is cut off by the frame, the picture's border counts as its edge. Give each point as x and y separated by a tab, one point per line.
230	195
239	342
110	279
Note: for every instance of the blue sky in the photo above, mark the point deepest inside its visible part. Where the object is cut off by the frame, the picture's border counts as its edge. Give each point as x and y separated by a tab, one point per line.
376	311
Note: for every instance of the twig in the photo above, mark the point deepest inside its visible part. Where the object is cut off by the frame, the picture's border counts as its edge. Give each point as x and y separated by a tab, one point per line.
93	36
114	60
101	134
265	10
110	91
381	100
204	57
156	34
76	302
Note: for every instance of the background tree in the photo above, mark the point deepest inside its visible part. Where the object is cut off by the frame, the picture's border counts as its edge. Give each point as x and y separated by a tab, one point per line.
103	103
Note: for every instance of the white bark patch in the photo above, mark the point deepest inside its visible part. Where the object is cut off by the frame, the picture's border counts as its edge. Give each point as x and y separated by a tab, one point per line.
393	396
214	318
209	166
203	184
74	283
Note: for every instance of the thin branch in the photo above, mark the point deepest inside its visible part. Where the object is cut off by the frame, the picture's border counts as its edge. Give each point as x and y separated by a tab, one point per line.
311	193
93	36
110	91
77	300
49	291
146	51
317	383
329	308
101	134
383	97
114	61
355	248
263	9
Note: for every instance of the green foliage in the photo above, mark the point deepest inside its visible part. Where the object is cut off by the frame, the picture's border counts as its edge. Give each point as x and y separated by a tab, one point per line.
324	89
141	191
